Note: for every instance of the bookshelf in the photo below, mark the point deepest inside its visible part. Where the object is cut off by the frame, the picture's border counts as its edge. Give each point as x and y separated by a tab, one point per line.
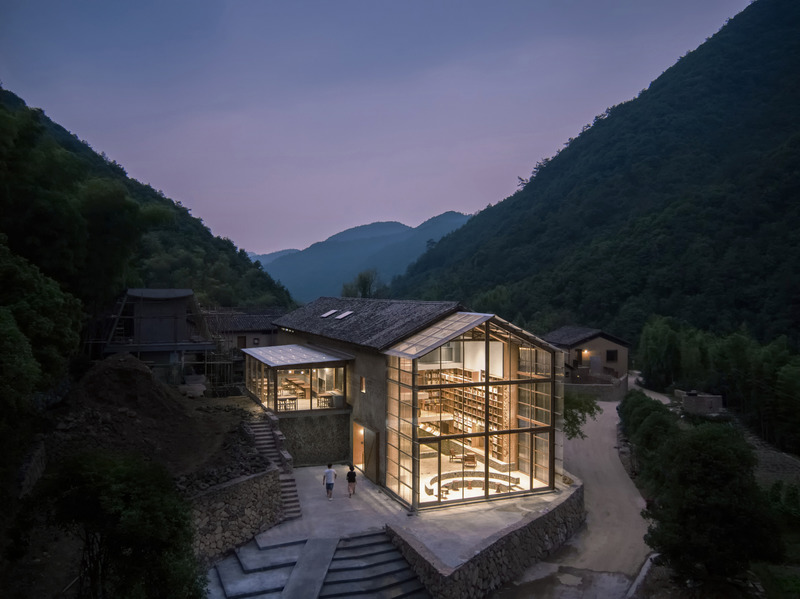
469	408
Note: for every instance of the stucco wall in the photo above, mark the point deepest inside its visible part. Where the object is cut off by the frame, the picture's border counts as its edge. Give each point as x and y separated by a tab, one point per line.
598	347
503	556
232	513
319	437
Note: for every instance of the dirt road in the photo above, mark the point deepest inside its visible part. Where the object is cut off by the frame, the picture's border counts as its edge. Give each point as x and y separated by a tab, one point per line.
605	556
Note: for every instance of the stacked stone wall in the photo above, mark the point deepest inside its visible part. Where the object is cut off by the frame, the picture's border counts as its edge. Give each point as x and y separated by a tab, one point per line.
32	468
230	514
317	438
503	556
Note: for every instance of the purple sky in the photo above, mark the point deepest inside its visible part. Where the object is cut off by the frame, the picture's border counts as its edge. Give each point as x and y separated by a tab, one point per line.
280	123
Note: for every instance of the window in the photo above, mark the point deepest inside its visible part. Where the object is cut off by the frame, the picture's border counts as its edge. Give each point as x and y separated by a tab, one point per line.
611	355
256	341
241	341
363	385
328	313
344	315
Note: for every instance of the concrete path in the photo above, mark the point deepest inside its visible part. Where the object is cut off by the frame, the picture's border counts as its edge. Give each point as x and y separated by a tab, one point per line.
603	559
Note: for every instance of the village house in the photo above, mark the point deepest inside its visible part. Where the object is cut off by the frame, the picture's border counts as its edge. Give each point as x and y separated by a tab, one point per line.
596	362
163	328
435	403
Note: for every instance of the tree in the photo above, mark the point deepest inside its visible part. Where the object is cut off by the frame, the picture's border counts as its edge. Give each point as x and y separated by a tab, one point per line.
709	518
49	318
135	528
659	353
577	408
366	284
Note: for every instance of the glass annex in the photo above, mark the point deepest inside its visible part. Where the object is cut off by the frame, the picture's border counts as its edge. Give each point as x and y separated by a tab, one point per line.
470	412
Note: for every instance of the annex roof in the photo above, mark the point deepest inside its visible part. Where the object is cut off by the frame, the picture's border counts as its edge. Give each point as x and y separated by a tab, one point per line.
373	323
570	336
285	356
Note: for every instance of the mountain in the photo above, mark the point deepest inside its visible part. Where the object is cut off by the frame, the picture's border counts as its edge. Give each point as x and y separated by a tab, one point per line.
388	247
684	202
265	259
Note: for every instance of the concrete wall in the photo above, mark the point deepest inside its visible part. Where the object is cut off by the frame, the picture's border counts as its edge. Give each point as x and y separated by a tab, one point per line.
700	403
612	392
319	437
503	556
232	513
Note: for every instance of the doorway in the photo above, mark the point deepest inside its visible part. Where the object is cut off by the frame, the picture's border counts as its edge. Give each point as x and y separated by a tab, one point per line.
365	451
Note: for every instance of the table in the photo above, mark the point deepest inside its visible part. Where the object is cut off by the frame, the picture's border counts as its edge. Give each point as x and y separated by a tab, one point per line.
300	385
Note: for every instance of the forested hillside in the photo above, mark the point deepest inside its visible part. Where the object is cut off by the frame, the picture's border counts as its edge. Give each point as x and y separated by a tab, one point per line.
75	231
682	202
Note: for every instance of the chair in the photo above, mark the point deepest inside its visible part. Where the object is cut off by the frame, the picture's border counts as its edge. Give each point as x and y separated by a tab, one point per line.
470	461
454	457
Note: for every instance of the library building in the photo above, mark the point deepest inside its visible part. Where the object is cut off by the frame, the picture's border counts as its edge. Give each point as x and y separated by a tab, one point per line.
442	405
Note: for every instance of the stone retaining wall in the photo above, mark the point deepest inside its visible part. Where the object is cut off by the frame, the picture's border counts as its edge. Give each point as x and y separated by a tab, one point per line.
32	468
234	512
503	556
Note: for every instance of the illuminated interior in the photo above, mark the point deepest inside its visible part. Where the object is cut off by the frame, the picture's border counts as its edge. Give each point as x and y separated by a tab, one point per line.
289	378
470	412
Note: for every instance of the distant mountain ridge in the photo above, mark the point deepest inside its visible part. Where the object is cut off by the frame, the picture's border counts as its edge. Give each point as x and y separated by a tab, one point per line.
265	259
388	247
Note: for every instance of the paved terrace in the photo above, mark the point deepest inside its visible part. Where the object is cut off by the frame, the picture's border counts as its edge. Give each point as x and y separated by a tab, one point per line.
449	536
452	534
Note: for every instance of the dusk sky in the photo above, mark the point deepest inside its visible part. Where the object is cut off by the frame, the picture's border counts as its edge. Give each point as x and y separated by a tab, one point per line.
282	123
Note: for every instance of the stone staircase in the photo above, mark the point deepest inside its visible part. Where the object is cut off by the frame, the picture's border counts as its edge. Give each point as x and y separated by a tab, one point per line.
369	565
291	500
265	440
365	565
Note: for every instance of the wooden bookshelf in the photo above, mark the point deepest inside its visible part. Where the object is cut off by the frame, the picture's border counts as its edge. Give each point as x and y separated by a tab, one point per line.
469	408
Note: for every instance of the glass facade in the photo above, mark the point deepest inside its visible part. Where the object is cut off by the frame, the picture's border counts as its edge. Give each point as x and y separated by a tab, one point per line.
289	389
472	417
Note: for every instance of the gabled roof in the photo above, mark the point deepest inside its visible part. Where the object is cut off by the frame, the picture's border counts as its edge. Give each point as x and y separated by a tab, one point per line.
437	334
371	323
570	336
159	293
230	322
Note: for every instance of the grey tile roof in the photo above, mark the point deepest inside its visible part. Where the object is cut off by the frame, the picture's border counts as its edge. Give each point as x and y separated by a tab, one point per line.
159	293
570	336
372	323
228	322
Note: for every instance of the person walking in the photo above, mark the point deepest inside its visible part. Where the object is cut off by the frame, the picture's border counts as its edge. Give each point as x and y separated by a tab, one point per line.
351	481
328	478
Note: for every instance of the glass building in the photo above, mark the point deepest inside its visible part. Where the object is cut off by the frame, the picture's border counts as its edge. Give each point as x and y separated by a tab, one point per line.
445	405
470	412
